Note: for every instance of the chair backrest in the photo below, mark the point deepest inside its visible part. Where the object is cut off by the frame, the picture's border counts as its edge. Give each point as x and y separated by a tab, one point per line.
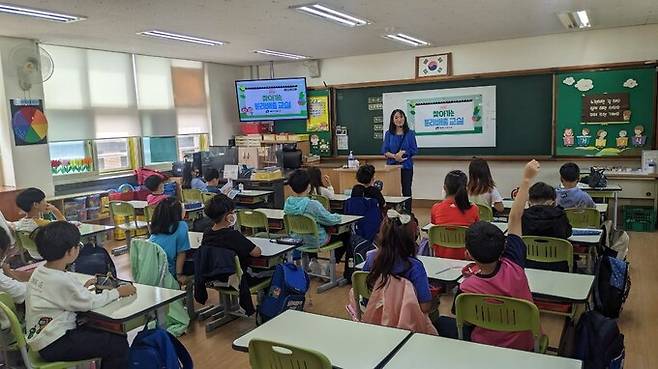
497	313
549	250
300	224
207	196
253	219
191	195
583	218
448	236
145	253
9	310
324	200
148	213
486	214
122	212
360	289
25	242
272	355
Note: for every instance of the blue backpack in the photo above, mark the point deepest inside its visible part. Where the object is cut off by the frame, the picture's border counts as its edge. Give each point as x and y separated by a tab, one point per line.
599	343
287	291
158	349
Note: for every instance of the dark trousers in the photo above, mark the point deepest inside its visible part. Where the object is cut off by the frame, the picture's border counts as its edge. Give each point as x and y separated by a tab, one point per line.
447	327
87	343
407	176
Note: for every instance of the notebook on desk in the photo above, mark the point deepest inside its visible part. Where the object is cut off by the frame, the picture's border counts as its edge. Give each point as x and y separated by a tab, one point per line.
585	232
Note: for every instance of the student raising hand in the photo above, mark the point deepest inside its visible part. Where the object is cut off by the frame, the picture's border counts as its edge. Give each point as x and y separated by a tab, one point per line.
529	173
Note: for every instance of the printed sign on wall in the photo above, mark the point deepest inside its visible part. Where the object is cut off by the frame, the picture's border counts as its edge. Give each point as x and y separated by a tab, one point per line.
28	122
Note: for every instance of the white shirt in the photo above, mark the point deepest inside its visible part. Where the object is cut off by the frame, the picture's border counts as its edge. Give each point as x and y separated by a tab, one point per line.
5	225
327	192
487	198
52	300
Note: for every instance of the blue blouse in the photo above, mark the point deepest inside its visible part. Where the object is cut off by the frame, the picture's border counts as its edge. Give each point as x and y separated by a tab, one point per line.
394	143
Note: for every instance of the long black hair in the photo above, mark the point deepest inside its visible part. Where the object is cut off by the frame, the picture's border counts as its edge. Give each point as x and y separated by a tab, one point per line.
479	177
316	180
396	242
391	126
166	216
455	184
186	182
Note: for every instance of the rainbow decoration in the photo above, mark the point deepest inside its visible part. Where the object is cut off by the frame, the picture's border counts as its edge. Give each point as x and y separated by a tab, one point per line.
29	123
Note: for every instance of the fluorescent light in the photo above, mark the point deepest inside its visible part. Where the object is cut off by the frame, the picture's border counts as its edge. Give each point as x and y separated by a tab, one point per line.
184	38
43	14
401	37
575	20
280	54
584	18
325	12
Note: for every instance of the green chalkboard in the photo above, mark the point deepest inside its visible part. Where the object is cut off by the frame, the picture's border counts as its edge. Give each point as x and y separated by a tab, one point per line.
605	113
523	116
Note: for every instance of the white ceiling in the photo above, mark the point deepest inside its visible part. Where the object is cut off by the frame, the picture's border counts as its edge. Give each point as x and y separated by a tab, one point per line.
253	24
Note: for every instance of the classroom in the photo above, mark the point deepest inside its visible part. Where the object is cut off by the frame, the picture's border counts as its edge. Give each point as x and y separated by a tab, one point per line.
334	184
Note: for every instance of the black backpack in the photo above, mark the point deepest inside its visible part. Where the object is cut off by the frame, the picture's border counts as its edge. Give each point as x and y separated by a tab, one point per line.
94	260
600	344
612	283
597	178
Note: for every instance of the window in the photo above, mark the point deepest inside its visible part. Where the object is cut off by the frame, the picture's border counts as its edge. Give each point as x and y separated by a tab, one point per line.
159	150
113	154
70	157
188	145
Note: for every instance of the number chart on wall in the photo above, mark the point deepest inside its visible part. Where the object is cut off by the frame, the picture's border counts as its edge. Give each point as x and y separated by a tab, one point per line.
605	113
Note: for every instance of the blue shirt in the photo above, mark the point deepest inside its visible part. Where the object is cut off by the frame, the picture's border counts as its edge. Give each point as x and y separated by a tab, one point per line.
394	143
416	274
573	198
173	244
198	184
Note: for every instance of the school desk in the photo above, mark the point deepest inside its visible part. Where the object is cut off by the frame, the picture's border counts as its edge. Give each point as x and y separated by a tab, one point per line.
423	351
88	230
610	191
270	251
338	203
501	225
123	313
388	174
602	208
346	344
275	219
253	197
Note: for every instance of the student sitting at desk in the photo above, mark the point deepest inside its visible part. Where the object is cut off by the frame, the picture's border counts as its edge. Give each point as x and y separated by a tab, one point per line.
365	175
481	186
498	269
570	196
155	184
54	296
170	232
33	202
320	185
455	210
211	175
191	179
543	217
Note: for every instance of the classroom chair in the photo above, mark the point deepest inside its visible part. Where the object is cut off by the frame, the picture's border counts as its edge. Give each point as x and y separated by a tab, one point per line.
207	196
26	244
360	290
305	225
584	218
324	200
486	213
448	236
498	313
31	359
148	213
254	220
124	218
190	195
549	250
267	355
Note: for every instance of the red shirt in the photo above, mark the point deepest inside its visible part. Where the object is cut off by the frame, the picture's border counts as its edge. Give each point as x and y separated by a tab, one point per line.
446	212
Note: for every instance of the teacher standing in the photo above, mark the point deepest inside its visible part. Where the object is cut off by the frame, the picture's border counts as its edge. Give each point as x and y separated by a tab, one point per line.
400	147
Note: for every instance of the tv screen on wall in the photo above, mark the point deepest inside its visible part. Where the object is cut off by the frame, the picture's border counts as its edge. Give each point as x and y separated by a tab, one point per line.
272	99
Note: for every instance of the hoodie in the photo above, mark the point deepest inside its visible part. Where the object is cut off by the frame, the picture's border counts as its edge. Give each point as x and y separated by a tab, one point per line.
547	221
306	206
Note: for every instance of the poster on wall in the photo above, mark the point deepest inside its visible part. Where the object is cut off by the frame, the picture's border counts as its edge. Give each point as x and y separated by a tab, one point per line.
318	119
459	117
28	122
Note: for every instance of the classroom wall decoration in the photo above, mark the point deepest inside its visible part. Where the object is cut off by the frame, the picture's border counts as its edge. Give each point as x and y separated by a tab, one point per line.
605	113
28	122
437	65
458	117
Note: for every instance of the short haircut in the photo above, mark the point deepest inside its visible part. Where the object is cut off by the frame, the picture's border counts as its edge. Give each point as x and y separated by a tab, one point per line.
217	208
541	191
299	180
26	199
153	182
570	172
56	239
5	241
365	174
210	174
485	242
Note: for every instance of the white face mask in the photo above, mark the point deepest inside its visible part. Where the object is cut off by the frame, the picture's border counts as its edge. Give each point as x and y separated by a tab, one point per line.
232	220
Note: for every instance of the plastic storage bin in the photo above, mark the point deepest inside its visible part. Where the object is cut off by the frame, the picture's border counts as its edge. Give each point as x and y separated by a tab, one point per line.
639	218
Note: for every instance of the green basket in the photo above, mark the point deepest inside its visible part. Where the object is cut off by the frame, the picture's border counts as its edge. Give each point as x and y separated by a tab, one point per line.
639	218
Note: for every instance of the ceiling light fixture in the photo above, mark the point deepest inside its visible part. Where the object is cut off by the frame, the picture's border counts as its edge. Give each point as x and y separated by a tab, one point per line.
43	14
184	38
401	37
575	20
280	54
320	10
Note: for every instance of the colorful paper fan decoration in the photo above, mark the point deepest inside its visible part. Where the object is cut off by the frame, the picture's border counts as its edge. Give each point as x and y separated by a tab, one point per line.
30	126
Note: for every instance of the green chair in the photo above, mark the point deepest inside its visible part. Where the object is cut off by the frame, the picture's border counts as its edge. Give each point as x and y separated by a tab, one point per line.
148	213
360	290
254	220
31	358
549	250
26	243
124	217
272	355
306	225
324	200
191	195
448	236
584	218
207	196
498	313
486	213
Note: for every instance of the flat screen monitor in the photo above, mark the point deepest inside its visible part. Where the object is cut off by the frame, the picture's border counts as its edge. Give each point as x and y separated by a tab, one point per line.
272	99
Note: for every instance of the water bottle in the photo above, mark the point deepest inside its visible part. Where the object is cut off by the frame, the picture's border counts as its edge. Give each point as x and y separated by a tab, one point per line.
651	164
350	160
314	266
241	187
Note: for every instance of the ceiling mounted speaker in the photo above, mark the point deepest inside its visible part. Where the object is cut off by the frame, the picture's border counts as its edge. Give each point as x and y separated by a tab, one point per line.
313	67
